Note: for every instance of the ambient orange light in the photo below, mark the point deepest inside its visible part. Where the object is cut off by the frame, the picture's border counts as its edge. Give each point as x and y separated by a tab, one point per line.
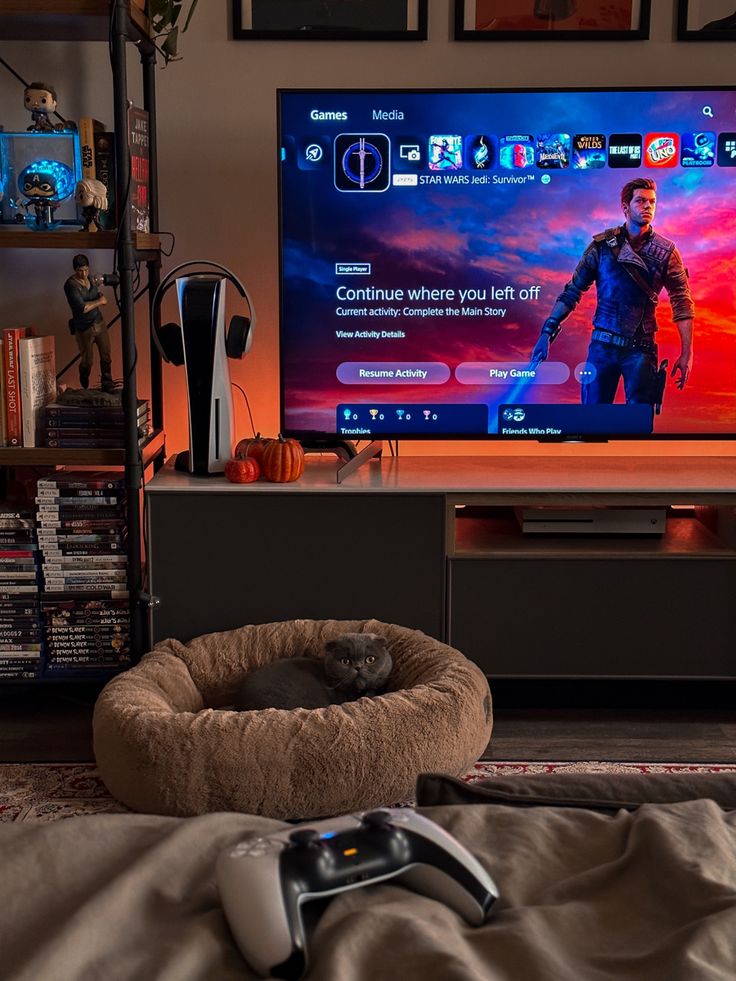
350	851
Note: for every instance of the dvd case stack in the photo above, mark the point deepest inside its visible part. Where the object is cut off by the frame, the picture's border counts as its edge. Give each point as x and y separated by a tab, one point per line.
81	536
83	426
20	618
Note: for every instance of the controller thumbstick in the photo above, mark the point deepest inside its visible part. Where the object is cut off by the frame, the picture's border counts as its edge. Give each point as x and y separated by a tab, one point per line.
304	837
377	820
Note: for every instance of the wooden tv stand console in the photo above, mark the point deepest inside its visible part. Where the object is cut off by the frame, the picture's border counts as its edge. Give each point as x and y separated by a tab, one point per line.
433	543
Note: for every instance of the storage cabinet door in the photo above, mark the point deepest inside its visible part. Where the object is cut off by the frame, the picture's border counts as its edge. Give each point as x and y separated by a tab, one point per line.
219	561
586	618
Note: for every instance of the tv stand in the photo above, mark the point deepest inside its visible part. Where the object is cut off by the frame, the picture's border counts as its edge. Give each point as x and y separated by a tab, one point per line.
344	449
434	544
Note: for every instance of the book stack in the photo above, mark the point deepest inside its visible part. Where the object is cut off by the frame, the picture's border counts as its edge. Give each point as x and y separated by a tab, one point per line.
84	635
20	621
78	426
81	537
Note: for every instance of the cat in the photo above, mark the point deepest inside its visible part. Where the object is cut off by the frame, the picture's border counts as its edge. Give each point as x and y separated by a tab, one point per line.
353	666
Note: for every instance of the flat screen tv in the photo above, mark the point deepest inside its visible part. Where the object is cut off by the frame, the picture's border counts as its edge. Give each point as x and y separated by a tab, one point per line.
428	239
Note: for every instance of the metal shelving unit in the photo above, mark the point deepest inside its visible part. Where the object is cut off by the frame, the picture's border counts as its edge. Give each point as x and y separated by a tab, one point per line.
118	22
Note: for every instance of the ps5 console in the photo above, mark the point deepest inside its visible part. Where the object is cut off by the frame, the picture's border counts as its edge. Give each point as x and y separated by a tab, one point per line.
266	883
203	345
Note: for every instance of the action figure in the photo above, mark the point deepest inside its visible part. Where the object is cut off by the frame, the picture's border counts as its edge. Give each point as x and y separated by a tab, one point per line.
87	326
91	194
45	184
630	265
40	101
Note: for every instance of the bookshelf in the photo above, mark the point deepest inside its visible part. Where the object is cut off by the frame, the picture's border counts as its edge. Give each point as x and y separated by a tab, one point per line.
121	23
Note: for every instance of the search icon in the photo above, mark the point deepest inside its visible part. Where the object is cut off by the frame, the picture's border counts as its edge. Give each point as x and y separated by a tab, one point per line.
708	111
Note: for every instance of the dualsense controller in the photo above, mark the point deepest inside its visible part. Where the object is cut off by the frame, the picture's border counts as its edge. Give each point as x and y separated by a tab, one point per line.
264	882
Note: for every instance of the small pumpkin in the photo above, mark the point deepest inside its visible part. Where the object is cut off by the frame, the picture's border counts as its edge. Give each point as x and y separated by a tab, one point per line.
242	470
252	448
283	460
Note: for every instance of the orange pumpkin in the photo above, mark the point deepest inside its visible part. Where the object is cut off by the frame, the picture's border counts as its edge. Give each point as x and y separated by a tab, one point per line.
283	460
242	470
252	448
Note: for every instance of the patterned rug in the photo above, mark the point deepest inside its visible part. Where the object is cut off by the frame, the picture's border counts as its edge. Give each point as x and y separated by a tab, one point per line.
41	792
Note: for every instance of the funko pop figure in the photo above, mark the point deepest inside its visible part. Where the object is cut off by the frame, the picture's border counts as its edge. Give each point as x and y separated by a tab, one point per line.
91	195
45	184
40	101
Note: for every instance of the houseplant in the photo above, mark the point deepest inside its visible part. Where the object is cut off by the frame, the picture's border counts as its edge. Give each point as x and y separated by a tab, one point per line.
164	16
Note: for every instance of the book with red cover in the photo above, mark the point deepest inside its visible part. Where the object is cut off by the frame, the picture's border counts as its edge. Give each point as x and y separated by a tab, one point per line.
139	146
12	407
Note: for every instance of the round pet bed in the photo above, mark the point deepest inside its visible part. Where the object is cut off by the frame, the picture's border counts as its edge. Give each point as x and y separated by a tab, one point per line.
166	742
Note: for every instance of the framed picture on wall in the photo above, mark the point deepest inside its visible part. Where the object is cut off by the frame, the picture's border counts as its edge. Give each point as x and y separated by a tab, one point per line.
706	20
551	20
330	20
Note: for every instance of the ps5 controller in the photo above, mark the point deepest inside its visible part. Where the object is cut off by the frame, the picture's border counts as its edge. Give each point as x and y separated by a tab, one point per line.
265	882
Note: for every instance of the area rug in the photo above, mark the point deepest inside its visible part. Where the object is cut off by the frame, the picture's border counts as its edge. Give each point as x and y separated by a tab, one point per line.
41	792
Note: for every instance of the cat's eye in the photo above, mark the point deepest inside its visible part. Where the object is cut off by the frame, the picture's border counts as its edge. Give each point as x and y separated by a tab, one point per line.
370	659
344	660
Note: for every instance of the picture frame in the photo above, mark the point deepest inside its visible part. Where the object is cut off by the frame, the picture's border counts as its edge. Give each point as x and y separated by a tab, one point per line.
696	20
329	20
552	20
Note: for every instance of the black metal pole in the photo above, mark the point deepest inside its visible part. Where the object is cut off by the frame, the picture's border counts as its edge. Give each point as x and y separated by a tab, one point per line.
126	269
148	60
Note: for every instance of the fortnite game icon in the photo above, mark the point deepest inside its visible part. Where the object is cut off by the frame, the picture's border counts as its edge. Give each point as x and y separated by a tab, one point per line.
445	152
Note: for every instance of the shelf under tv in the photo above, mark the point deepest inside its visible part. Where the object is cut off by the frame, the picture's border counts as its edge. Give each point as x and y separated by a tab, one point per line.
45	456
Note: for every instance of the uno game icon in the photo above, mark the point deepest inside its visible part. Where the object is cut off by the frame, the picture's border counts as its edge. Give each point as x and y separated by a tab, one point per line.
553	151
661	150
588	151
362	162
516	152
445	152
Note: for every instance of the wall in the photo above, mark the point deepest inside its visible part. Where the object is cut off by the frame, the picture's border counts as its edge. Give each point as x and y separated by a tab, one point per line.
217	146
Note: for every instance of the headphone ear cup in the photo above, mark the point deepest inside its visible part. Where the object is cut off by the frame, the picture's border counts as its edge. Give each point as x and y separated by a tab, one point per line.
238	337
171	343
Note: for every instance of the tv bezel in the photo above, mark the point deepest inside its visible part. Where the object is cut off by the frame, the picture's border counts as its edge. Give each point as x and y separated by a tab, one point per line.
325	437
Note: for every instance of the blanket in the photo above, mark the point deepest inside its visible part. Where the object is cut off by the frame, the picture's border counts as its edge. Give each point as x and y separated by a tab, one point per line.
648	895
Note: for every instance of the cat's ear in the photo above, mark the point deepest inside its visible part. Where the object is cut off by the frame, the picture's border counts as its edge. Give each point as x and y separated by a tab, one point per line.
378	639
331	646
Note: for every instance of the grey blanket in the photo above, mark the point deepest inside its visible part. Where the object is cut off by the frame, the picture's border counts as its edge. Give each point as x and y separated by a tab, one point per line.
586	896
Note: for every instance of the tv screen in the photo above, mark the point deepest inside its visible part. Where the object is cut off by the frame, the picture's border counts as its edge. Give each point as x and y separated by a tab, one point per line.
462	264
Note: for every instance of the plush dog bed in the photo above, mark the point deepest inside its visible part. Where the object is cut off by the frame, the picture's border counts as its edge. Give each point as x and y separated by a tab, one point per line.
166	742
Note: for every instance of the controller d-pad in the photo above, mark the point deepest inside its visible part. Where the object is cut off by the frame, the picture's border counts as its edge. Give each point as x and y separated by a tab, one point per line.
305	837
376	820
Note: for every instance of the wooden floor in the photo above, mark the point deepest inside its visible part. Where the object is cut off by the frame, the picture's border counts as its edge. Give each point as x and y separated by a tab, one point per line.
627	721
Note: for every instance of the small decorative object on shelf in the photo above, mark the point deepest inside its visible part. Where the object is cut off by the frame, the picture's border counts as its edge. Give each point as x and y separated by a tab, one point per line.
40	101
252	448
91	196
38	174
242	470
87	325
44	184
283	460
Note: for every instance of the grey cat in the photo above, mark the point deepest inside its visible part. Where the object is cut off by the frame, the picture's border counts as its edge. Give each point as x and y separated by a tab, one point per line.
353	665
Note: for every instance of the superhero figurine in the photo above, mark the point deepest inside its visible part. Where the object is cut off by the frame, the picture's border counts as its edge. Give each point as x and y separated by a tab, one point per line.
91	195
45	184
